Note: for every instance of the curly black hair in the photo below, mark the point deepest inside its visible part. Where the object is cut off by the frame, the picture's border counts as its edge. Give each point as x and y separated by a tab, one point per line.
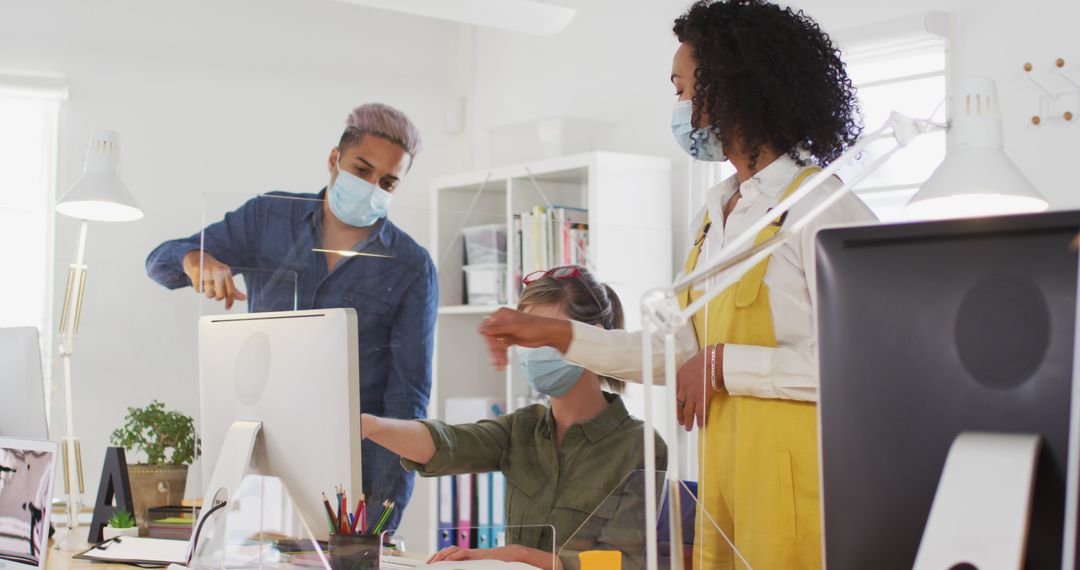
768	76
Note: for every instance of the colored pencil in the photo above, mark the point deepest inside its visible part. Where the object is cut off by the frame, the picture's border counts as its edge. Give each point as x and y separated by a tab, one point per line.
363	516
383	518
386	518
359	511
378	517
341	512
329	512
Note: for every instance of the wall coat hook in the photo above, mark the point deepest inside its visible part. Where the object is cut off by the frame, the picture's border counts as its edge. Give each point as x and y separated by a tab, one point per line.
1059	94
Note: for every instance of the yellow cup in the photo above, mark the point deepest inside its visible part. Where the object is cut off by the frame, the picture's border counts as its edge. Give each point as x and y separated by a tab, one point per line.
600	560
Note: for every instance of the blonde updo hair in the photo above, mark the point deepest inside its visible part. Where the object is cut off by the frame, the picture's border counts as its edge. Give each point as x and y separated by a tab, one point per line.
583	299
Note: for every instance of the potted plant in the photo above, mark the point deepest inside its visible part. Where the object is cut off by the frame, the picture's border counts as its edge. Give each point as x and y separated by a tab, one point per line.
122	523
167	441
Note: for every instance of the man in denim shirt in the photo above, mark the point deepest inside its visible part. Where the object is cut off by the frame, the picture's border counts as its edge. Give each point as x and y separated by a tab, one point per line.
272	241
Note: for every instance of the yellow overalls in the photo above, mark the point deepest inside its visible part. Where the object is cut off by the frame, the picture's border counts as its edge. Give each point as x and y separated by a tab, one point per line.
758	475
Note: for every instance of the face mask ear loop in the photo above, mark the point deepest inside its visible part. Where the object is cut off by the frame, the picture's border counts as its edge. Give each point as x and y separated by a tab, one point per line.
338	173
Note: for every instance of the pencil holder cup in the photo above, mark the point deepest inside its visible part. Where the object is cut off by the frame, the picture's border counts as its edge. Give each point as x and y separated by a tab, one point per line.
355	552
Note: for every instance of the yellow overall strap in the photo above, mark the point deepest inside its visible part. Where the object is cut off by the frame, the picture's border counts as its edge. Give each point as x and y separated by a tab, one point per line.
750	283
692	257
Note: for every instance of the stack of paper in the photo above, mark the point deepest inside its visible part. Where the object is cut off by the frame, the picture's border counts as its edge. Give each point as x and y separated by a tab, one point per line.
175	528
173	522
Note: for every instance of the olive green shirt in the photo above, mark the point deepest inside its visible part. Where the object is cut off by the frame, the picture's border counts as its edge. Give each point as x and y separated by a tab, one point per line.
548	484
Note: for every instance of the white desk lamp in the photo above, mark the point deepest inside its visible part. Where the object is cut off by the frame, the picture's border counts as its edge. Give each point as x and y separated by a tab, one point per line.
99	195
976	178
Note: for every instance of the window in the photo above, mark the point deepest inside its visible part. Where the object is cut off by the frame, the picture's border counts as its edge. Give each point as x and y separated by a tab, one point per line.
909	79
28	147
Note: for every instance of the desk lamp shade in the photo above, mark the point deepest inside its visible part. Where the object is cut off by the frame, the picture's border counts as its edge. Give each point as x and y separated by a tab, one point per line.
100	195
976	178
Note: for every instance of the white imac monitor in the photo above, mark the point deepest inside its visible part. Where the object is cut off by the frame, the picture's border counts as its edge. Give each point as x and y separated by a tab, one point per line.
298	373
22	409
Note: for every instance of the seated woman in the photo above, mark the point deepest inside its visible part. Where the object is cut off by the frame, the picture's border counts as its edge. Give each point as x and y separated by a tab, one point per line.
561	461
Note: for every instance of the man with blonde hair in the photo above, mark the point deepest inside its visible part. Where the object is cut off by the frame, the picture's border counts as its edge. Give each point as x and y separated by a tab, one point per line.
336	248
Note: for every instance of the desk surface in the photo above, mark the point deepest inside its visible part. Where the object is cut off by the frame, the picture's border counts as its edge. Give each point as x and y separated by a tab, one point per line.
62	560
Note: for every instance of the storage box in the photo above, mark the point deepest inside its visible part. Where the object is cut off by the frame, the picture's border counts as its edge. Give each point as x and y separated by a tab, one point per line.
485	284
485	244
547	138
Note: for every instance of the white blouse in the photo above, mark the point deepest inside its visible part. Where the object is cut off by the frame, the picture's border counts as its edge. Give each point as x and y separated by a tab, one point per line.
787	371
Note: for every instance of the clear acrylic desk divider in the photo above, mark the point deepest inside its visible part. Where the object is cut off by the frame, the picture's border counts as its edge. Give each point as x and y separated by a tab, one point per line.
619	524
258	527
239	257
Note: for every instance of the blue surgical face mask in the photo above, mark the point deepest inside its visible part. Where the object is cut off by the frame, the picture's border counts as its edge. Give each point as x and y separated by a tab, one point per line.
356	201
547	372
700	144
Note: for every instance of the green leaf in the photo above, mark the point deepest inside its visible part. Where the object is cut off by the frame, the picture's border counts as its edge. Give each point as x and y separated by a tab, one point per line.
122	519
163	436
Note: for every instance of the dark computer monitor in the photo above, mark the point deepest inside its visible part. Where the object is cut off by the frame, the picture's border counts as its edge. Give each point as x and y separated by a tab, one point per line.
928	330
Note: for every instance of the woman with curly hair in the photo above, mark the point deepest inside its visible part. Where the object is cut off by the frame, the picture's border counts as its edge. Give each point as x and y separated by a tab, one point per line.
763	87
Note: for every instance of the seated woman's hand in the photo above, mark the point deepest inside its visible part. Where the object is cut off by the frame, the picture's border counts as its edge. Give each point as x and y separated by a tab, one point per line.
507	327
505	553
510	553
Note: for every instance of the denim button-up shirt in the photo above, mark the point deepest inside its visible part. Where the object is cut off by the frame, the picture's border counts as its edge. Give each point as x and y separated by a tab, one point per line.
270	241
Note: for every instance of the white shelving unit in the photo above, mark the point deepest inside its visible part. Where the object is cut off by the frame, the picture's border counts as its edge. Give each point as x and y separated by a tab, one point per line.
469	309
628	198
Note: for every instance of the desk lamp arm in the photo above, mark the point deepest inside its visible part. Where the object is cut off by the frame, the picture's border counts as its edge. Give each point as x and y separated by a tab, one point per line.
661	305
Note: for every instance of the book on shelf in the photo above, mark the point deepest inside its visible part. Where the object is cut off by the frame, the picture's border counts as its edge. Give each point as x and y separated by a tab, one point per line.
466	503
547	237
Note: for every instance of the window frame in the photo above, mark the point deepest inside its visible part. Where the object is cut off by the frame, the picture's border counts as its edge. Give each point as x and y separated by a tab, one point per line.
51	92
889	41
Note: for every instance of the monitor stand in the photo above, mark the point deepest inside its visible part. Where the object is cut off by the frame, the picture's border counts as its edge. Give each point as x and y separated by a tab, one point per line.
234	461
982	505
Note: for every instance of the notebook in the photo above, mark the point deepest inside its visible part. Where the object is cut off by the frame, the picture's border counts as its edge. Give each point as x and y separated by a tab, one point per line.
138	550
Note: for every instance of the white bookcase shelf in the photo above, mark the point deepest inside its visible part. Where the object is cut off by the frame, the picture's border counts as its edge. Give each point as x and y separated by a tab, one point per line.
628	198
469	309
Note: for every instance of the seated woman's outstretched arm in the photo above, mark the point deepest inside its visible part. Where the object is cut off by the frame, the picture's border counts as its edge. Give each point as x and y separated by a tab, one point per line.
407	438
433	448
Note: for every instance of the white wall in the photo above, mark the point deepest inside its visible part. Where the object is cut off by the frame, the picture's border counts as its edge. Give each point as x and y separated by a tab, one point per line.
232	98
613	62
